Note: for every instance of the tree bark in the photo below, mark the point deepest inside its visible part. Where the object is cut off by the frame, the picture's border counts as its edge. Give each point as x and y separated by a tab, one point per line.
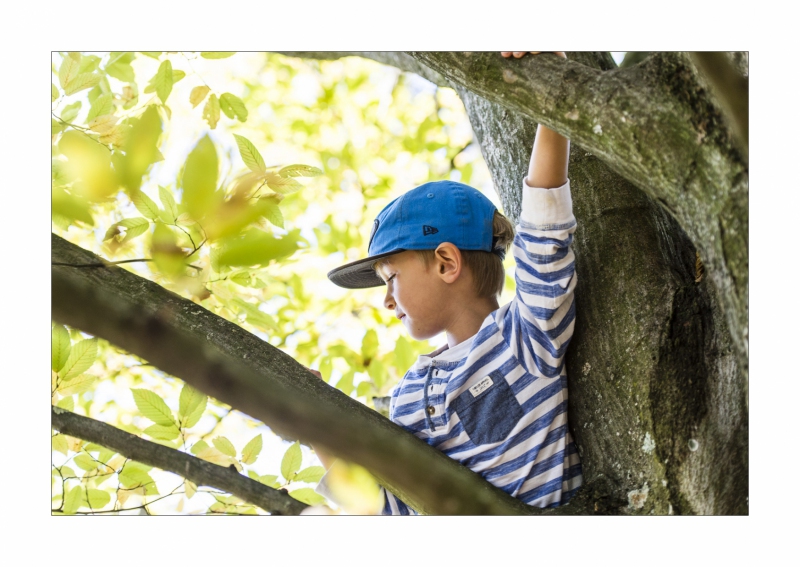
201	472
653	123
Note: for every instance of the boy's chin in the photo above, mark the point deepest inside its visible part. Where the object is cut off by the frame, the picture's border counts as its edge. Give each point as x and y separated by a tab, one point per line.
421	334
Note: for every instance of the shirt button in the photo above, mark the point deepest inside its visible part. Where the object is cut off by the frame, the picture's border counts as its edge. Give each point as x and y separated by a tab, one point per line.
431	410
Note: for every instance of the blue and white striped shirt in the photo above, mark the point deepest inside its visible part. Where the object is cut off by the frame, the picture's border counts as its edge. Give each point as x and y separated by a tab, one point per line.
497	403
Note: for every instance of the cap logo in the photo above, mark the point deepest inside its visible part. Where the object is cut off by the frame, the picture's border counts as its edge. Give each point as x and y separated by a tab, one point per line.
427	230
375	226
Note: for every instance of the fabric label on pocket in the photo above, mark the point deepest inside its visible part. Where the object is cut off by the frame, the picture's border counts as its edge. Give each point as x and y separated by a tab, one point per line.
481	386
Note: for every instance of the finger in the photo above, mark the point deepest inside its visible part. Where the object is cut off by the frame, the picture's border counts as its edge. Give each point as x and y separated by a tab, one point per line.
505	53
519	54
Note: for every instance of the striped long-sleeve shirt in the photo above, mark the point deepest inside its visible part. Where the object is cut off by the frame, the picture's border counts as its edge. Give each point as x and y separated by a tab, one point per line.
497	402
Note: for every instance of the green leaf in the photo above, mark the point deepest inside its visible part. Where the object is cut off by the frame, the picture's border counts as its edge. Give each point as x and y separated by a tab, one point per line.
233	106
67	403
211	111
81	82
73	498
70	112
88	64
251	450
163	80
257	247
250	155
77	385
60	347
134	475
141	148
97	498
270	480
291	461
224	446
101	106
369	346
310	474
59	443
85	462
377	371
119	66
404	355
307	496
152	406
145	205
54	92
170	207
299	170
216	54
133	228
81	357
345	383
177	75
200	178
199	446
191	406
165	432
191	489
68	472
271	211
70	207
68	71
198	94
283	185
153	54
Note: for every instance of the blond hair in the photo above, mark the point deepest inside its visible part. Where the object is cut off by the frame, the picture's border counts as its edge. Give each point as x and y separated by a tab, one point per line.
486	267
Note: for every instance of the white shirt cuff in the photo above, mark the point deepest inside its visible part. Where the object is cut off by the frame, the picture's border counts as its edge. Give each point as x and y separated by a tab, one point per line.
544	208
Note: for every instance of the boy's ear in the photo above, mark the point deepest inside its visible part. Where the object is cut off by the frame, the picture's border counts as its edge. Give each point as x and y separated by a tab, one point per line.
448	262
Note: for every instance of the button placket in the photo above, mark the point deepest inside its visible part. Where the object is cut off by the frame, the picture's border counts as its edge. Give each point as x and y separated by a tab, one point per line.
429	409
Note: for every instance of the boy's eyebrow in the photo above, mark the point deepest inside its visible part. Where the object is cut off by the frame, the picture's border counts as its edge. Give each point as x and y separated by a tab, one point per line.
378	268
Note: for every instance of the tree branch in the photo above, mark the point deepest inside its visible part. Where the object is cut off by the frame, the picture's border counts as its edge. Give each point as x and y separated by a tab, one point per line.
197	470
225	361
654	124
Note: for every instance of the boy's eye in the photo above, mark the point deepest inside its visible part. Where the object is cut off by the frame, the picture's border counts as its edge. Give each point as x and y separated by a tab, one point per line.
391	278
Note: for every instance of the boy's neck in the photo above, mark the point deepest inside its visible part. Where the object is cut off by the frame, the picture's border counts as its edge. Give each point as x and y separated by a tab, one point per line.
468	319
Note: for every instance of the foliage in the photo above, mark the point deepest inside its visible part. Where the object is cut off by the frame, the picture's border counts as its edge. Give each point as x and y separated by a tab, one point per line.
237	181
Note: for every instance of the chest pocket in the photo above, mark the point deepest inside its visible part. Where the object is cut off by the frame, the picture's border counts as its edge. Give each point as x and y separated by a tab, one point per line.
489	410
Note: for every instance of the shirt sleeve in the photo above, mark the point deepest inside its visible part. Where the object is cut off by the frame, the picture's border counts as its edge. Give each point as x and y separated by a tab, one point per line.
539	322
393	506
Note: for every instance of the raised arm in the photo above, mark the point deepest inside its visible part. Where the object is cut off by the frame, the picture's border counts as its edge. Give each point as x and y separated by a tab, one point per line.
550	155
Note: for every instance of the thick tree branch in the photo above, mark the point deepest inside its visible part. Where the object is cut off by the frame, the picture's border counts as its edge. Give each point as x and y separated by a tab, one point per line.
654	124
225	361
201	472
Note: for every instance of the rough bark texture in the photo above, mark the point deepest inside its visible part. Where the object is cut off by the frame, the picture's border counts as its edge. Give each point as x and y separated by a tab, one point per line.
201	472
653	123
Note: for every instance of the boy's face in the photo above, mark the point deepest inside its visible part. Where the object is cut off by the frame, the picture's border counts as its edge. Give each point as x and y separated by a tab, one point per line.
415	293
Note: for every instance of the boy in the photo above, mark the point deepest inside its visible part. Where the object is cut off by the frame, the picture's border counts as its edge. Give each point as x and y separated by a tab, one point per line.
495	397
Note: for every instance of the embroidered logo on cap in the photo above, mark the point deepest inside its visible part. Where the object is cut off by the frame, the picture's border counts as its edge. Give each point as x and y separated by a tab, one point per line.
426	230
481	387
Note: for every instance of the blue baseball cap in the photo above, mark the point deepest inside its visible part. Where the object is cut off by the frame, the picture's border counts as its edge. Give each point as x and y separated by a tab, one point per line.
421	219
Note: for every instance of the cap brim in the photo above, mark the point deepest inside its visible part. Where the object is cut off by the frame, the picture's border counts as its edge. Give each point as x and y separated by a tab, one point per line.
359	274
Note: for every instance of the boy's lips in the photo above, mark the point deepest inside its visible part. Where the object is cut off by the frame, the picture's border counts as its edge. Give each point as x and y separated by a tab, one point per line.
400	316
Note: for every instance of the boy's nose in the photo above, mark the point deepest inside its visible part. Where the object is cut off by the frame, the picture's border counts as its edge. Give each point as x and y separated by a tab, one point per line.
388	301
